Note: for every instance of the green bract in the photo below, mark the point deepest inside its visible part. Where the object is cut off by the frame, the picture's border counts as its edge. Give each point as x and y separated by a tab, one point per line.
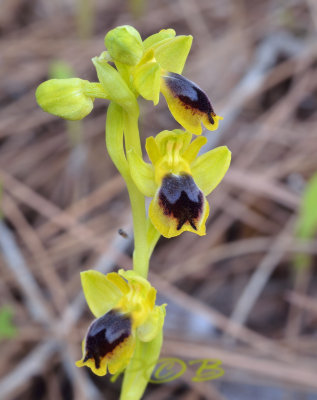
115	85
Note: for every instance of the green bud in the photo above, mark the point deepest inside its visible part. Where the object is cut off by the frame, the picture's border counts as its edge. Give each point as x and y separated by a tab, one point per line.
124	44
65	98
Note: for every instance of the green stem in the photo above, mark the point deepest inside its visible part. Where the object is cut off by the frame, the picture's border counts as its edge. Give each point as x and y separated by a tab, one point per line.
141	253
118	121
145	237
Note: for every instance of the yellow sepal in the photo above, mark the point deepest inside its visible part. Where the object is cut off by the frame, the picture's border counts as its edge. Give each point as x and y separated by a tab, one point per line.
101	294
172	53
158	37
209	168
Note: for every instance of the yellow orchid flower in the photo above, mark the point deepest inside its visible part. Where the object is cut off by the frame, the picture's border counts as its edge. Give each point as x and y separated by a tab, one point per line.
124	306
178	180
159	71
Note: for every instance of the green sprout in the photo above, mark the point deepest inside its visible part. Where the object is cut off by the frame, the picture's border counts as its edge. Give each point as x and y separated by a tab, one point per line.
127	334
7	328
306	226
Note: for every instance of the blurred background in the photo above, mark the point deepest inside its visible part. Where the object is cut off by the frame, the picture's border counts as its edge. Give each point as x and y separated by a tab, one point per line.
245	293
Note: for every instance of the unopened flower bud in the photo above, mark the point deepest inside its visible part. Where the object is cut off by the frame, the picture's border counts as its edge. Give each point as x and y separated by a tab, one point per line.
124	44
65	98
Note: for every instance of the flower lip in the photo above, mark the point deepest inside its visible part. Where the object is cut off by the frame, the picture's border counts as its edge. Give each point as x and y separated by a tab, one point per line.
180	198
190	94
105	335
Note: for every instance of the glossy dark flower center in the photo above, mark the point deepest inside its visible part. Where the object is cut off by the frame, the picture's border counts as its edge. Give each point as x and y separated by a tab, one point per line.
191	95
105	334
180	198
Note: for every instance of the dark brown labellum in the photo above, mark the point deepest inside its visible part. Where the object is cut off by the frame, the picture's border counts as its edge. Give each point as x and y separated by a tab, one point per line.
105	334
191	95
180	198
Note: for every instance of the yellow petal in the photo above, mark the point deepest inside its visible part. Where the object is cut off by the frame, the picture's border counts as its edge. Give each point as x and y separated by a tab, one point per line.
142	174
152	150
193	149
101	294
188	103
209	169
179	206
